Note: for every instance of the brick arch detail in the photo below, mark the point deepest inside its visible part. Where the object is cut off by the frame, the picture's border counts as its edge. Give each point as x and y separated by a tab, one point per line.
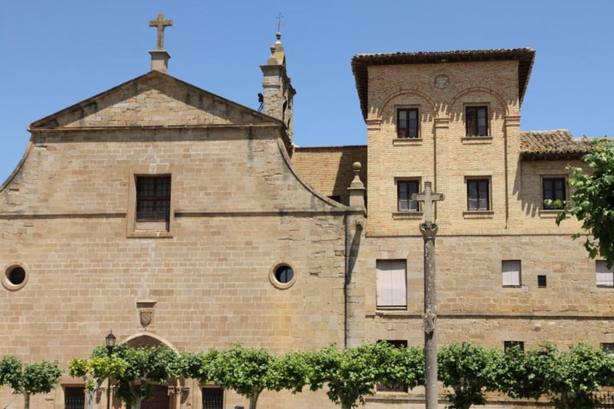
412	91
470	90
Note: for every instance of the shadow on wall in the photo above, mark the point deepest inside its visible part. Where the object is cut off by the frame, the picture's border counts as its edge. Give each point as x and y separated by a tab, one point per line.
344	175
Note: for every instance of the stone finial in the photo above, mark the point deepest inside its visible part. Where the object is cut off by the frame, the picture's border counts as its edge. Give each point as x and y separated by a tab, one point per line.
357	188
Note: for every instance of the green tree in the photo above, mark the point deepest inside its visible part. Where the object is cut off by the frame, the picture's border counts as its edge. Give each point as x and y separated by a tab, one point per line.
28	380
592	200
571	378
95	371
469	371
352	373
131	370
247	371
521	374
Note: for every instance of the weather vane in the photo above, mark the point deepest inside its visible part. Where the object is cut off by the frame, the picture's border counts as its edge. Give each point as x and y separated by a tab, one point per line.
279	22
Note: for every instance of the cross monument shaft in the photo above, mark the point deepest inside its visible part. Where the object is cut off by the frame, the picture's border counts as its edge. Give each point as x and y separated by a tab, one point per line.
429	231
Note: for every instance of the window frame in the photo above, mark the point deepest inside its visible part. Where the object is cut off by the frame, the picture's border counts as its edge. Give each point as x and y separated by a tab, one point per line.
398	182
597	263
552	178
476	108
519	285
507	345
476	179
391	306
151	230
407	129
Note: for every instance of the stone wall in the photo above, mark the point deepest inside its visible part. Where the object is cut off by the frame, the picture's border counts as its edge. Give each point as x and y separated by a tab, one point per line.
329	169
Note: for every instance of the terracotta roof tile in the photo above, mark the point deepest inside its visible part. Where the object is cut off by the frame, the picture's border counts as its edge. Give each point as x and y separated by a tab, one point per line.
553	144
360	62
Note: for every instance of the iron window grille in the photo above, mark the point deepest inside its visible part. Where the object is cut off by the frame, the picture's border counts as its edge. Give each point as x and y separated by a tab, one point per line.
153	201
74	398
213	398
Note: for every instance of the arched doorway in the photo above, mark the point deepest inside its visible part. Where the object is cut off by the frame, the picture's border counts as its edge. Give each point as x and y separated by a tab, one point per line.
162	395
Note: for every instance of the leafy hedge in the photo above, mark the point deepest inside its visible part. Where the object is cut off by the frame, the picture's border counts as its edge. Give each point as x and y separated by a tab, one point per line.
567	379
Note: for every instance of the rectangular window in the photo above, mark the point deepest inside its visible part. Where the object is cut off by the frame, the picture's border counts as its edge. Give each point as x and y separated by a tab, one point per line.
478	194
554	193
74	397
213	398
408	124
507	345
393	388
391	283
608	348
153	198
476	121
405	188
604	275
542	282
511	273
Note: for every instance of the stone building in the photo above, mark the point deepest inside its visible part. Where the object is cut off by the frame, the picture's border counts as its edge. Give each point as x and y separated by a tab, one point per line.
174	216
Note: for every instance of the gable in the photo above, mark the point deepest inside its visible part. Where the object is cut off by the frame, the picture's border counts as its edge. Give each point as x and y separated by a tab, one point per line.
153	100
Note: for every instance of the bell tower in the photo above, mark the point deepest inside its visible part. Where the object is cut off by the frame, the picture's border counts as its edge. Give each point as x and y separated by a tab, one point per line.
277	91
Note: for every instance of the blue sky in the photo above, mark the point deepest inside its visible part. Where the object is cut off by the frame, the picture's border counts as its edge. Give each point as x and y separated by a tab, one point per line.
56	53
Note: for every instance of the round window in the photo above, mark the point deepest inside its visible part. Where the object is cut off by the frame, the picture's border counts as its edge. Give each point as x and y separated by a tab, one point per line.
283	276
15	277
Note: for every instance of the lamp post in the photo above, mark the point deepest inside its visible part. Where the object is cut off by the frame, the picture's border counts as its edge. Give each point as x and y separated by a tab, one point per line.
110	344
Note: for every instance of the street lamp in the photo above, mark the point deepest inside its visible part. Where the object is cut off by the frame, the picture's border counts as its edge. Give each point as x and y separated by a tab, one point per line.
109	341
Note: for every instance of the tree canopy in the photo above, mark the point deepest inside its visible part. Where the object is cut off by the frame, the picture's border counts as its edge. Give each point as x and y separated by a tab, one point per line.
592	200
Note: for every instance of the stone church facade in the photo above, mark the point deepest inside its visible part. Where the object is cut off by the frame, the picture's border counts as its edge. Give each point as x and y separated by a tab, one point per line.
174	216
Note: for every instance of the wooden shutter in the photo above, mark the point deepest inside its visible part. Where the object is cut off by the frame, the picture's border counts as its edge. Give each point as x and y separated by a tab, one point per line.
511	273
605	276
391	283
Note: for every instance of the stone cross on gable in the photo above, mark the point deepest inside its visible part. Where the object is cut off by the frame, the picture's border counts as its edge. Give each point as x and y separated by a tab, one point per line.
429	198
160	24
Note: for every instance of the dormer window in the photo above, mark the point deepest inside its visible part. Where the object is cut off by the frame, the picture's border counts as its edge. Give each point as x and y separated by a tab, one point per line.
407	123
476	121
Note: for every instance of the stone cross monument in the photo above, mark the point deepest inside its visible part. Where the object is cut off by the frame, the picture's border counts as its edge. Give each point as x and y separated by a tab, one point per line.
159	56
429	231
160	23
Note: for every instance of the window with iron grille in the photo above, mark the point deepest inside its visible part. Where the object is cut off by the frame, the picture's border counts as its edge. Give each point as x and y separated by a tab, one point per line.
153	198
478	194
408	124
213	398
554	193
608	348
405	188
508	345
393	388
74	397
476	121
